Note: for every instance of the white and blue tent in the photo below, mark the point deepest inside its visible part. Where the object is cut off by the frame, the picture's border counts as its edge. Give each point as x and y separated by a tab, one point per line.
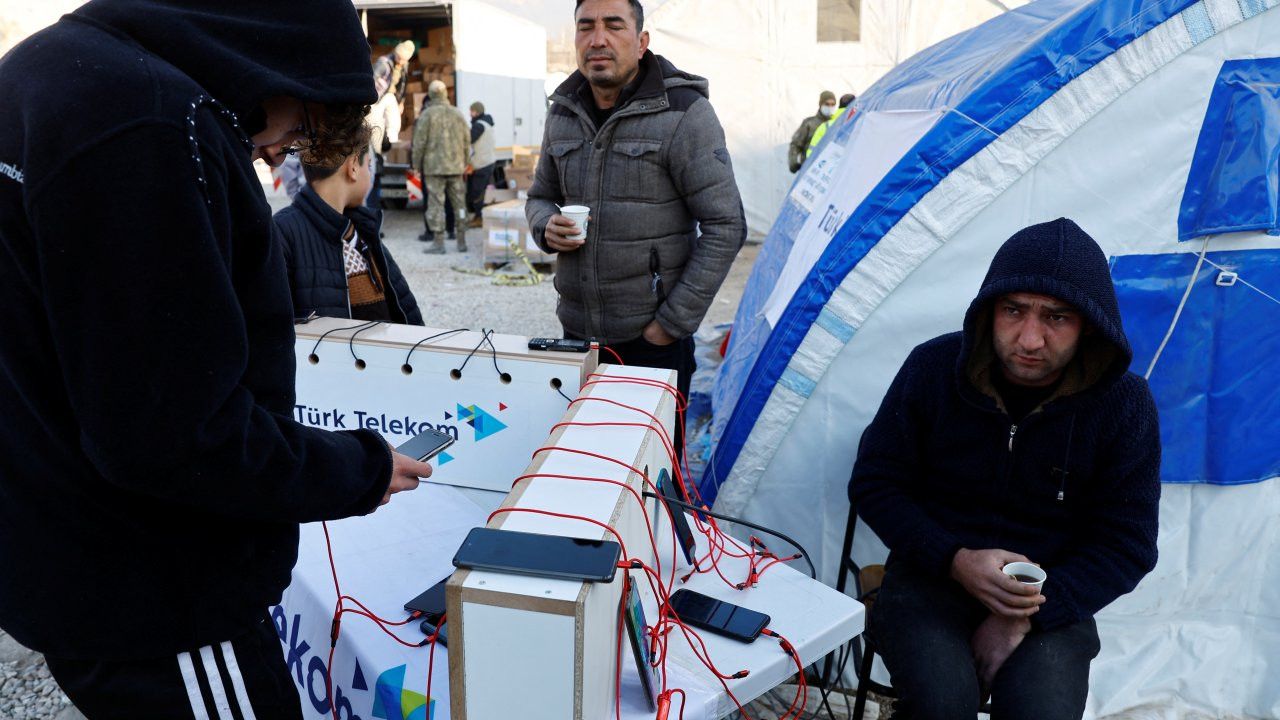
1154	124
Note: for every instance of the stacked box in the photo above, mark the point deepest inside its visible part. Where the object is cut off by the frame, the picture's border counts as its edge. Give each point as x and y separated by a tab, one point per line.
401	152
523	158
504	222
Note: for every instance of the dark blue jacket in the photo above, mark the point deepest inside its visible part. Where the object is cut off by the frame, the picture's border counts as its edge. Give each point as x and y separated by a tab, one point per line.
152	477
1074	486
313	234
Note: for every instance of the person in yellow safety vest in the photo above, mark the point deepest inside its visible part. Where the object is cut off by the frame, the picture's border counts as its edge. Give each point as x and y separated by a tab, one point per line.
845	101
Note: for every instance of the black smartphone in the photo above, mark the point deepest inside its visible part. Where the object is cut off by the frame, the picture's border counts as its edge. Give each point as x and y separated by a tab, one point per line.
633	616
426	444
559	344
430	602
429	628
717	616
667	490
536	554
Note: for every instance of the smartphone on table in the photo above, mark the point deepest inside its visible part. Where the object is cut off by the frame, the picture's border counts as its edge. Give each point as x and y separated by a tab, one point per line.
717	616
430	626
667	491
554	556
429	602
633	617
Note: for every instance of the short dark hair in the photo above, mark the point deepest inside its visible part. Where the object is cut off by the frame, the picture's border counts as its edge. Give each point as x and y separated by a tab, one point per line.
637	11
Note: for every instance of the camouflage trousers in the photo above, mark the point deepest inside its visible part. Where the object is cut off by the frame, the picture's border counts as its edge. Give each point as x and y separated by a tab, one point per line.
437	186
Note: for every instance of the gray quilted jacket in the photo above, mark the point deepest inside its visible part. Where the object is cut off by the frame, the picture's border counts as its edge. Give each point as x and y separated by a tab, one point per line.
654	175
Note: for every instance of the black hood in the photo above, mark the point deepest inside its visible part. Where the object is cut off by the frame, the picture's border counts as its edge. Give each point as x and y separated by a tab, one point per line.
245	51
1061	260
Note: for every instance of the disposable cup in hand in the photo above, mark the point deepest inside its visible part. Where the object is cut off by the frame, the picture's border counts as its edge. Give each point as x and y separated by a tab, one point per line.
1026	573
578	214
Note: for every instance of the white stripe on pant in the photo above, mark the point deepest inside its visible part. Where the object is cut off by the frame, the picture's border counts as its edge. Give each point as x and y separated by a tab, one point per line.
214	679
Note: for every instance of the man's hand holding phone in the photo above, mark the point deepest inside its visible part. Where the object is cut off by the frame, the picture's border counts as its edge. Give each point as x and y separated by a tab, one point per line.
406	473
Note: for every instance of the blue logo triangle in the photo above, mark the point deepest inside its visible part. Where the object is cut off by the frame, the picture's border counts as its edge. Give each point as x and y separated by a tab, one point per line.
357	680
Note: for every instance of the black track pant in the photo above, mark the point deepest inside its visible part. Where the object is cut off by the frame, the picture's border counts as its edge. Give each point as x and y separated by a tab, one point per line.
244	678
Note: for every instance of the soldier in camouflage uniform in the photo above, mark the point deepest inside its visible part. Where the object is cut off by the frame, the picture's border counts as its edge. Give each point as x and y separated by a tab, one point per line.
441	145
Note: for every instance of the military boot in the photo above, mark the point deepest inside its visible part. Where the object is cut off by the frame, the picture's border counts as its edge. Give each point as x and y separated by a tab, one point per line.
462	237
436	247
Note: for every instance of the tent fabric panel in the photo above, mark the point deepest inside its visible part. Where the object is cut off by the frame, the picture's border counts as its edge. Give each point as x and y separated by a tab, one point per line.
970	168
1218	369
1234	183
1190	642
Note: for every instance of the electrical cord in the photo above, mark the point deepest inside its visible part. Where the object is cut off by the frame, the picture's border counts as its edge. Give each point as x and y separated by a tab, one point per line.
729	518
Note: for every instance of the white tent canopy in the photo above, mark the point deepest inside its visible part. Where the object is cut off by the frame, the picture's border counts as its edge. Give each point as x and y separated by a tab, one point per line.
766	69
1154	124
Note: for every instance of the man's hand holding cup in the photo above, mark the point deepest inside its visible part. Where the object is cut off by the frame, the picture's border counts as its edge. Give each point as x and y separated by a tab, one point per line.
568	231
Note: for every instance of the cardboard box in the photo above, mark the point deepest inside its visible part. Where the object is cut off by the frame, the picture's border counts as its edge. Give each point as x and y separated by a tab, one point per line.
523	158
413	103
523	178
496	195
503	223
400	153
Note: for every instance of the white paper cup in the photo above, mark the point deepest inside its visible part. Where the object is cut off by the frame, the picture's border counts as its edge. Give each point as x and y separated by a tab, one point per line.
578	214
1026	573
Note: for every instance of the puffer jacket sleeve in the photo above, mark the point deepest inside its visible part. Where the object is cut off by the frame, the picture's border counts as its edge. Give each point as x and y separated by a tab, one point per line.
702	172
544	196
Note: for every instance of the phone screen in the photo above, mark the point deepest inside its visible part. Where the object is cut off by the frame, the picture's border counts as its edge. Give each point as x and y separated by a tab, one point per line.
718	616
536	554
425	444
633	614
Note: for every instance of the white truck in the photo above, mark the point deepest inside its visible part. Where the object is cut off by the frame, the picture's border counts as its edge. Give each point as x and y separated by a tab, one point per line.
497	58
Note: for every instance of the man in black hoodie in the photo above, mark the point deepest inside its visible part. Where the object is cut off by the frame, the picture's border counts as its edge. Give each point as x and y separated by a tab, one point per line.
151	477
1022	438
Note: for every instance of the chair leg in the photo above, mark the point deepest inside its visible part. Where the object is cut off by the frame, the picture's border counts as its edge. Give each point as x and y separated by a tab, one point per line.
864	681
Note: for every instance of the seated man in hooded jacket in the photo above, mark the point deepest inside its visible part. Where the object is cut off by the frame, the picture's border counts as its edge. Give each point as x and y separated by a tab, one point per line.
337	264
1023	438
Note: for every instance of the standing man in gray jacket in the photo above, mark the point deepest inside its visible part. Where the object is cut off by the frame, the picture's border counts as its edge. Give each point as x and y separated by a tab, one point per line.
635	140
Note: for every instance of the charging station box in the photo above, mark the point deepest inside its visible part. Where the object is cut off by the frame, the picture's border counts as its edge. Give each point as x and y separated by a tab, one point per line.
526	646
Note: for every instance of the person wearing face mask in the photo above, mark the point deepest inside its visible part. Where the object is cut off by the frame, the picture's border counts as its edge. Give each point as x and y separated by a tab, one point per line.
151	471
799	148
846	101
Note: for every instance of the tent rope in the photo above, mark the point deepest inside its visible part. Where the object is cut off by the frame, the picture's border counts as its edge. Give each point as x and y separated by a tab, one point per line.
1190	284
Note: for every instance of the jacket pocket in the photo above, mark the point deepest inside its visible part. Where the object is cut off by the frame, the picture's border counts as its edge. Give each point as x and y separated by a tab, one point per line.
570	160
638	173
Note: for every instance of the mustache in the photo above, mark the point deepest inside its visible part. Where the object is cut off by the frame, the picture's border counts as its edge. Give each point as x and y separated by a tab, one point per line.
600	55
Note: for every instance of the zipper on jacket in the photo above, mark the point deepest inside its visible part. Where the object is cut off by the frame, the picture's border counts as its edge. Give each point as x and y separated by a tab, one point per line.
1013	430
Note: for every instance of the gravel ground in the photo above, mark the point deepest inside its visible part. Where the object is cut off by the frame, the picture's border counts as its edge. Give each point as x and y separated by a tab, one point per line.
452	299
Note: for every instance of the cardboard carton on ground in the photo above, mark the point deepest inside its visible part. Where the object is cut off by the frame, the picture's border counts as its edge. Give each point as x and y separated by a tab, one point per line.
523	178
503	223
497	195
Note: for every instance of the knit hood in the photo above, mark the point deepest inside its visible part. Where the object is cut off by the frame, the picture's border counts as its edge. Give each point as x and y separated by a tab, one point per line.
243	51
1060	260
